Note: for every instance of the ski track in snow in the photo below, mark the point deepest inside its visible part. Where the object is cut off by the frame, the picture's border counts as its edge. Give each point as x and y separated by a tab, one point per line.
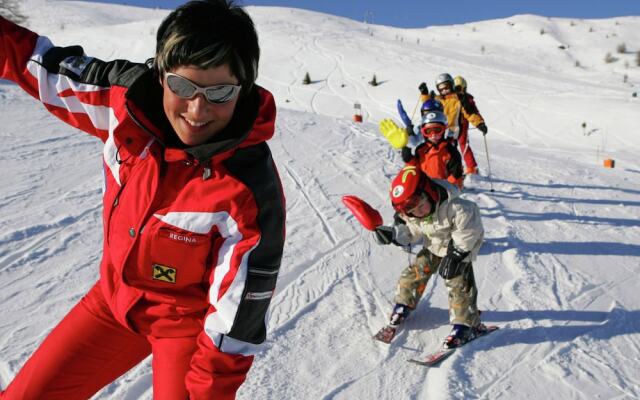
558	270
557	286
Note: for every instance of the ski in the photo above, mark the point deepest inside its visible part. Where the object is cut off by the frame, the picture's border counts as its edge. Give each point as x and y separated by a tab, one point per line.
435	357
386	334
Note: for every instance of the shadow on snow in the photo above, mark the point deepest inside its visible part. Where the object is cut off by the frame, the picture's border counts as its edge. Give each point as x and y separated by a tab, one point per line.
498	245
550	325
565	186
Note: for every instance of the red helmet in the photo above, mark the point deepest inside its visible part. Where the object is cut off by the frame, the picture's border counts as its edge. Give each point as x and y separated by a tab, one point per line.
407	187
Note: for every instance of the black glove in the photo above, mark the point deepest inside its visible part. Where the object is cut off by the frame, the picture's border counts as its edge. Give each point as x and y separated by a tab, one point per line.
451	264
384	234
409	130
423	88
397	219
406	154
483	128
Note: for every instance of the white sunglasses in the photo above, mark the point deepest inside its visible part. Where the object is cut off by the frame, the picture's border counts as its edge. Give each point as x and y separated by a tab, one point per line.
216	94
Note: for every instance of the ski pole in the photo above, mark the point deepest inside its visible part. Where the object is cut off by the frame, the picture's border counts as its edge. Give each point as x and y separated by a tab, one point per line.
486	151
416	106
407	249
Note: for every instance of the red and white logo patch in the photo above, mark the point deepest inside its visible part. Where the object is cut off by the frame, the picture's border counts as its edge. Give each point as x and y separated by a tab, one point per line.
397	191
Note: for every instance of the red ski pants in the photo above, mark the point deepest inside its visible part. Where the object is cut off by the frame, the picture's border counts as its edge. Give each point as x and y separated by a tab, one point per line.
465	149
89	349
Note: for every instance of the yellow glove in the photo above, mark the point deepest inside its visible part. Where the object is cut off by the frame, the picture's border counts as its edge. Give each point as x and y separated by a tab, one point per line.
395	135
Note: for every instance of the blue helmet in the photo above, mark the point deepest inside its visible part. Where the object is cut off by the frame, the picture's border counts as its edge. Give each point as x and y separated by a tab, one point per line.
434	126
434	117
431	105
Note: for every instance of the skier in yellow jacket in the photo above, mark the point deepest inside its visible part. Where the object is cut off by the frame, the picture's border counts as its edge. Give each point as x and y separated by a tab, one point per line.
460	110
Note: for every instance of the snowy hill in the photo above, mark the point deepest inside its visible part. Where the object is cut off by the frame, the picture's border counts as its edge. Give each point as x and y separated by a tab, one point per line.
559	268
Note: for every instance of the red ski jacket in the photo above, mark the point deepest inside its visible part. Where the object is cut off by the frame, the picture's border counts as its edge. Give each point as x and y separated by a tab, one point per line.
193	237
440	161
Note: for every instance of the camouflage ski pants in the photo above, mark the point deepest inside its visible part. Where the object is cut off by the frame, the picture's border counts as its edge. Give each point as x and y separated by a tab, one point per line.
462	290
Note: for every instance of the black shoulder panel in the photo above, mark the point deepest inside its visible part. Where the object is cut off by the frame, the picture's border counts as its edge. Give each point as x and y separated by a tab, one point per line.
454	166
72	62
468	104
113	73
255	168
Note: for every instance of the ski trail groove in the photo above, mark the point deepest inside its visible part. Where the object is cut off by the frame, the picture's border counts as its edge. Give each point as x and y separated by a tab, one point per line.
303	188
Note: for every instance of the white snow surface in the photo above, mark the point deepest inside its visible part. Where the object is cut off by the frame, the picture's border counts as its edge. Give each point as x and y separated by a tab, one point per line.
559	268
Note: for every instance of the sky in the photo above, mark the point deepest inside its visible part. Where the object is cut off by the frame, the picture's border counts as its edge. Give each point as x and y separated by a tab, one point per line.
420	13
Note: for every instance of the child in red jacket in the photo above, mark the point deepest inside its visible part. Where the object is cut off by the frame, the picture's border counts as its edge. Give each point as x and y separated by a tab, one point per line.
431	151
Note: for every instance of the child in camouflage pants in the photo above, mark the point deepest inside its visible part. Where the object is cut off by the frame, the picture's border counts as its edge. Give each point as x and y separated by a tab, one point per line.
462	289
451	228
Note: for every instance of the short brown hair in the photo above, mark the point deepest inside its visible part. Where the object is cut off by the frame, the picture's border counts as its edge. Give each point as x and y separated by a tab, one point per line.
209	33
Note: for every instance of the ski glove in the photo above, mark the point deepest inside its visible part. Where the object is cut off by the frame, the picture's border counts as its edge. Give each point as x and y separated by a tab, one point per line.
396	136
397	219
423	88
407	154
451	264
384	234
483	128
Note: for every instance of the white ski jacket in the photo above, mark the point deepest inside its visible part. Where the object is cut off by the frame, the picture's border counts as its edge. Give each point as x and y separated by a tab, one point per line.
454	219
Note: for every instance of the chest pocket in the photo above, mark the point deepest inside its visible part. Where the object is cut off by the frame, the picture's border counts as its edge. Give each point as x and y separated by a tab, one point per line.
178	257
438	225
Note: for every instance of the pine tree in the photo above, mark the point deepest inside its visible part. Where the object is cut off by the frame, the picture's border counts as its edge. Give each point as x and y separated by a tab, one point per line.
609	58
373	81
306	80
10	9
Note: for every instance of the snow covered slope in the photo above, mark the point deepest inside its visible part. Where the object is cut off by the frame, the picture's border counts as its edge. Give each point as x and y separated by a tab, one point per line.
559	268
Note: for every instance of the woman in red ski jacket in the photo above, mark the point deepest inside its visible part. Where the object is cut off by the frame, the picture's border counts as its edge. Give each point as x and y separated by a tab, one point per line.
193	207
